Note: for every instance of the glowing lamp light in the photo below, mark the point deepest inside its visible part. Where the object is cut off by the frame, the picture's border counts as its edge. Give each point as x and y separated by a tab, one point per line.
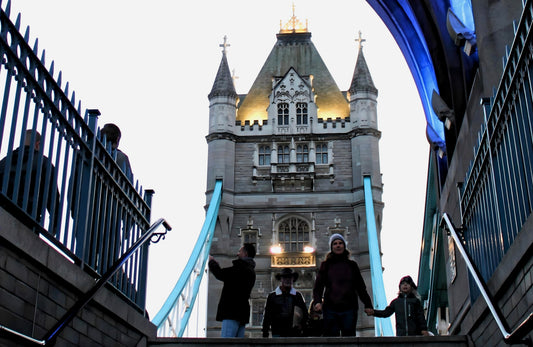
309	249
275	249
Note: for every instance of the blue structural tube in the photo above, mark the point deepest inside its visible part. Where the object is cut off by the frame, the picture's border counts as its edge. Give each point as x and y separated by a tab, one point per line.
383	326
201	250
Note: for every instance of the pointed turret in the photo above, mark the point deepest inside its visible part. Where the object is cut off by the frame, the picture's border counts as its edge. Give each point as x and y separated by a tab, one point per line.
222	112
223	98
363	94
223	85
364	118
362	80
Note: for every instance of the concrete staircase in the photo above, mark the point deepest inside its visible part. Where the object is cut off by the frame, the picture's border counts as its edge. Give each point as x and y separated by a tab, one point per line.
418	341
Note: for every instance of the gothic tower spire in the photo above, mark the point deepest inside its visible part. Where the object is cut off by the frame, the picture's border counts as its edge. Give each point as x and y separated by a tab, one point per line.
362	80
223	85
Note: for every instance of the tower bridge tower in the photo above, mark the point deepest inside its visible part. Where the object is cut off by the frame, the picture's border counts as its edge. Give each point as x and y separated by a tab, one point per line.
292	153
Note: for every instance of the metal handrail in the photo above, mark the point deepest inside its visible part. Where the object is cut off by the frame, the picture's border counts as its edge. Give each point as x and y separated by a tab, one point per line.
52	334
179	304
383	326
520	332
71	313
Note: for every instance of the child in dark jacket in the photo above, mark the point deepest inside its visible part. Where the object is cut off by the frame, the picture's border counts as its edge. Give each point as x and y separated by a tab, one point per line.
410	318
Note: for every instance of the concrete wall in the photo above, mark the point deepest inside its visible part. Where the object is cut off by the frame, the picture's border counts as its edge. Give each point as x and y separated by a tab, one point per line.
38	285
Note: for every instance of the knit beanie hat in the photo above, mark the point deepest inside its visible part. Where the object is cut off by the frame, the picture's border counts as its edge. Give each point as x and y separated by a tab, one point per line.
336	237
409	280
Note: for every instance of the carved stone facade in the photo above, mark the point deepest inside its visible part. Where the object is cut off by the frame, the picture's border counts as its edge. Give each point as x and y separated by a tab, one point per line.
292	175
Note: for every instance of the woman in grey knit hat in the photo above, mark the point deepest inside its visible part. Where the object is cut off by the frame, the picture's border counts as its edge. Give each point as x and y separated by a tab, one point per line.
338	287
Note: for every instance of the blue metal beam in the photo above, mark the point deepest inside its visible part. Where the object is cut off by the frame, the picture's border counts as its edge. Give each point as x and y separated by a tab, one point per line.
191	276
383	326
401	21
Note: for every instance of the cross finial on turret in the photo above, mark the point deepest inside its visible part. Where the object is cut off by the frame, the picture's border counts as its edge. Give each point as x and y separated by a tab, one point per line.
360	39
225	44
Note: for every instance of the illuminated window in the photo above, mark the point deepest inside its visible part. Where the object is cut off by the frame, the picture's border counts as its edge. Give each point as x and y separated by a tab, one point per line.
283	114
283	154
293	234
321	153
302	154
301	113
264	155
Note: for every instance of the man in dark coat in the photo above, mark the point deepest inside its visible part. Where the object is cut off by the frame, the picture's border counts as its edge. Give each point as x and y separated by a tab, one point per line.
233	308
35	169
285	310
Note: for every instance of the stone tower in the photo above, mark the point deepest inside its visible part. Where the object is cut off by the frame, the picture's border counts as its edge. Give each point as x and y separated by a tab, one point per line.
292	154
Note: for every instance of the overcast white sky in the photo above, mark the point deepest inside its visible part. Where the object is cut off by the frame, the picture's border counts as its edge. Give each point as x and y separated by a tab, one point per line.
149	65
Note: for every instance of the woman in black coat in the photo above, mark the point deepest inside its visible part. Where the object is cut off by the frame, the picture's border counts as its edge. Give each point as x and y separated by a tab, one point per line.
338	287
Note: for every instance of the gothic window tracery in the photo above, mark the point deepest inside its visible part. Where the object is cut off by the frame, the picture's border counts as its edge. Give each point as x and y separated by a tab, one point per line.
293	234
321	153
283	113
301	113
264	155
302	154
283	154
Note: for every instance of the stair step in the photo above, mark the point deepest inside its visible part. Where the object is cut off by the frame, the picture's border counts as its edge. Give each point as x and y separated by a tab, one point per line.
418	341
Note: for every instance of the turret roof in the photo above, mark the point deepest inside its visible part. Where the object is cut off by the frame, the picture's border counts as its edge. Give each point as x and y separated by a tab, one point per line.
223	85
362	80
294	48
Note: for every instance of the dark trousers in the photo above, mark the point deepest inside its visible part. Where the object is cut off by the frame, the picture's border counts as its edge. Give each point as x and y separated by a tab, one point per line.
340	323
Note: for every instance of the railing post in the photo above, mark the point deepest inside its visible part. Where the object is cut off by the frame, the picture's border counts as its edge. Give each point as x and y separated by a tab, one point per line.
83	222
143	268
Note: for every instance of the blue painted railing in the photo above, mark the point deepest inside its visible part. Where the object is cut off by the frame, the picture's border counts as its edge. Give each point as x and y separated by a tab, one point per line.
497	194
383	326
58	176
172	318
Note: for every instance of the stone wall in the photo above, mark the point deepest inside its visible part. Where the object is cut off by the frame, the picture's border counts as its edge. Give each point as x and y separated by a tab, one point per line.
38	285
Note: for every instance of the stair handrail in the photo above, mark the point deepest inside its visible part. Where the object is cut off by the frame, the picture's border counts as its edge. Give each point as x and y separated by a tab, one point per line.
149	235
89	295
186	289
518	334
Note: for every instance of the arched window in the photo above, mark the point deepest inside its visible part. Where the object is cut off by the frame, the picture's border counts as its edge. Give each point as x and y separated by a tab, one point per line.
283	114
264	155
301	113
322	153
283	154
302	154
293	234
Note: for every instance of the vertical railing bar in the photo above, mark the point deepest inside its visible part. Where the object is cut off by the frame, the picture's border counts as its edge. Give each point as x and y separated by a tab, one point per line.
96	221
54	224
526	125
3	114
12	137
38	173
16	184
64	186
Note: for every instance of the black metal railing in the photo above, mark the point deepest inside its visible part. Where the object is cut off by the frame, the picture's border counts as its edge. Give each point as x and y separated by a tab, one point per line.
57	174
516	336
497	195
